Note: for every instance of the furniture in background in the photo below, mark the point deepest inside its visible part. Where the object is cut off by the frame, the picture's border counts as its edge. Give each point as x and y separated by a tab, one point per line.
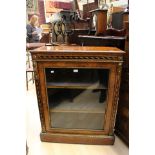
88	7
98	20
29	69
119	15
122	119
63	30
46	33
118	19
92	40
77	90
29	66
111	37
46	28
27	149
101	36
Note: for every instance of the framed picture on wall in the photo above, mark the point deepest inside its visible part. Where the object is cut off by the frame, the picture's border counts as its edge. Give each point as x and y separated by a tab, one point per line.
32	6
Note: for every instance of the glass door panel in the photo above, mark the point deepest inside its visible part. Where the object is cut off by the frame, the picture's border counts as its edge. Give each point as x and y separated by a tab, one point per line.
77	97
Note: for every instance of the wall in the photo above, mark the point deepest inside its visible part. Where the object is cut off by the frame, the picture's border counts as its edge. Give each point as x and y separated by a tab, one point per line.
41	11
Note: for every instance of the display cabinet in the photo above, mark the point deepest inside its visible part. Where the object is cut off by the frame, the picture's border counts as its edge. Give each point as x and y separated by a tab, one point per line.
77	90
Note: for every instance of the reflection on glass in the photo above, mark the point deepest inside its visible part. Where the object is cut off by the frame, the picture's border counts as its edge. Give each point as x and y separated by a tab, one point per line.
77	97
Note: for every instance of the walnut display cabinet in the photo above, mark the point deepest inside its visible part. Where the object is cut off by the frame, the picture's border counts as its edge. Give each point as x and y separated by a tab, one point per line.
77	90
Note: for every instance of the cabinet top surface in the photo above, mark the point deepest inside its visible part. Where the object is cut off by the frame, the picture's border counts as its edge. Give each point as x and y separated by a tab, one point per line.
81	49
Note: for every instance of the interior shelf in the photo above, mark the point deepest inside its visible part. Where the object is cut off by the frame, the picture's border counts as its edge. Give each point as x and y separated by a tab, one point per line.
76	85
78	111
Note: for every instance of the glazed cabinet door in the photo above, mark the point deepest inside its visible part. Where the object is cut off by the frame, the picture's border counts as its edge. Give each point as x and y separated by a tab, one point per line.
76	98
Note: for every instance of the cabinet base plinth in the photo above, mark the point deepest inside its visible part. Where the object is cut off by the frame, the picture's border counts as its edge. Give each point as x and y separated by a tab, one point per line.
77	139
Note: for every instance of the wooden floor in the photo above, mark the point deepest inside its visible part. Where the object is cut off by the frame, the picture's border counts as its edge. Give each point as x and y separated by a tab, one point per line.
36	147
